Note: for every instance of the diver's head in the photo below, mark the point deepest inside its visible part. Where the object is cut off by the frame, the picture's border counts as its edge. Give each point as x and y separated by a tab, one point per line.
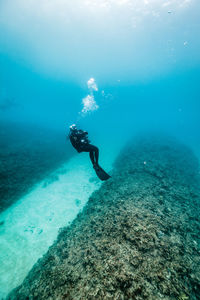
73	127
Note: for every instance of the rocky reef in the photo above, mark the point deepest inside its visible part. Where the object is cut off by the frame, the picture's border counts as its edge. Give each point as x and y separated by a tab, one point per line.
137	237
27	154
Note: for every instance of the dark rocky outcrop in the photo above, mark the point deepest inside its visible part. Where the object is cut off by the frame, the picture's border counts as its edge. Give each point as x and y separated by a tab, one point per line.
28	154
137	237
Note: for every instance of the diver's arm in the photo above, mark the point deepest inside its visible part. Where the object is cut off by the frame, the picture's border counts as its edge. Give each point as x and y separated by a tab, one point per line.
82	133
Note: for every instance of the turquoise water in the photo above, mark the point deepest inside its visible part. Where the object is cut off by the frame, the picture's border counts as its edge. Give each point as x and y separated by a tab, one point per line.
143	55
115	68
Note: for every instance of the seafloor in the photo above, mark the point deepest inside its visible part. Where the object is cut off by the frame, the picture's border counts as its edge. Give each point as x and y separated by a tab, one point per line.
27	154
137	237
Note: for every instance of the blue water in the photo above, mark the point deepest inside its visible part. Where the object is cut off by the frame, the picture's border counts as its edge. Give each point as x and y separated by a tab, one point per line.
136	64
144	55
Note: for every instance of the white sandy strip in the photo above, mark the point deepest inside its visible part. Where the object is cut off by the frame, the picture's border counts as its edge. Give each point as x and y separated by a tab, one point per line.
31	225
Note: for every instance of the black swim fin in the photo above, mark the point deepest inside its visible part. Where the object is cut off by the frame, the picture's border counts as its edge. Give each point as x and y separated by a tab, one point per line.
101	173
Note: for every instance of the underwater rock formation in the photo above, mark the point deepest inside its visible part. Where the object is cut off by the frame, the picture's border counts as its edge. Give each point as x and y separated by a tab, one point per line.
27	155
137	237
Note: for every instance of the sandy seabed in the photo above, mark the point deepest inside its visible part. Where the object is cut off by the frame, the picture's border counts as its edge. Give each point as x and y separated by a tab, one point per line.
31	224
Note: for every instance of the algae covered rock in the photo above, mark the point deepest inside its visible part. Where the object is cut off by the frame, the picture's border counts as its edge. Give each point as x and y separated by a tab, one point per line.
28	153
137	237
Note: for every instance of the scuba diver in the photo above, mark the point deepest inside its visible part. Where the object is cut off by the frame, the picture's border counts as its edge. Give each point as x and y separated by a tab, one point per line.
79	140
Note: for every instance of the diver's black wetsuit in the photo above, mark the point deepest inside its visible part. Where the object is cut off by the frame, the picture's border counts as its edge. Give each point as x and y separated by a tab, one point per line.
80	142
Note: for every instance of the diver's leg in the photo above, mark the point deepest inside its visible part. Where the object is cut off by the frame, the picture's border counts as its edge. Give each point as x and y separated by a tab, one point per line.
92	157
96	151
93	152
